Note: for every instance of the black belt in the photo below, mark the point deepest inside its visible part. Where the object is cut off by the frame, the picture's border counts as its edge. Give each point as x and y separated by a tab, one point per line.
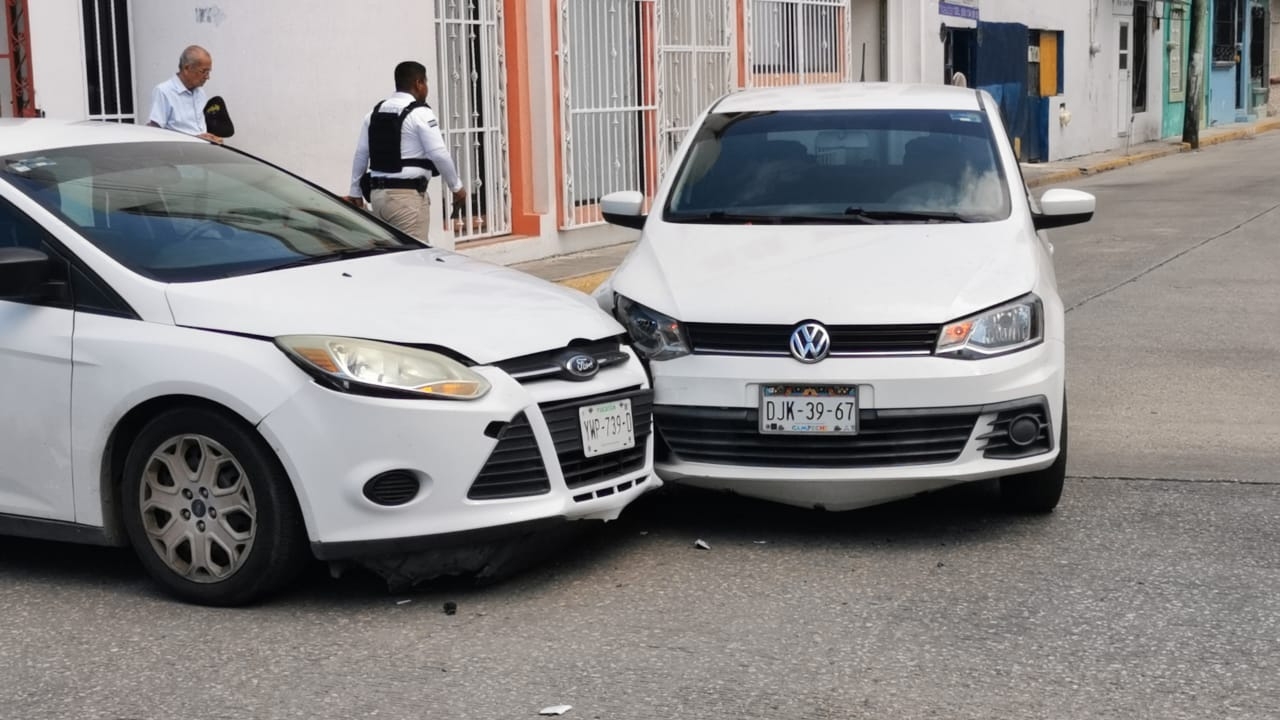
385	183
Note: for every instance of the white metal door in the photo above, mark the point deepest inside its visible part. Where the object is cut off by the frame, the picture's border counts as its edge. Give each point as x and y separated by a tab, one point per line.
1124	80
696	65
607	103
35	428
472	106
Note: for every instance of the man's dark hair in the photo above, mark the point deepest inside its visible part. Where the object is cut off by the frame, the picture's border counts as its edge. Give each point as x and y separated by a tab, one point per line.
409	72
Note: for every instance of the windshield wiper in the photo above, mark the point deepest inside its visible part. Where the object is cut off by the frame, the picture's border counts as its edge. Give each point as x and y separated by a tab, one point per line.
344	254
891	215
726	218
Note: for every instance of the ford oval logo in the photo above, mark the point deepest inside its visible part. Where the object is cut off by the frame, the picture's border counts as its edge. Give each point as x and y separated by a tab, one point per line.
810	343
581	366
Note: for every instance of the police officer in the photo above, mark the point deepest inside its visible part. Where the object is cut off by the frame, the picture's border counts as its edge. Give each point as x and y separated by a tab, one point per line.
401	147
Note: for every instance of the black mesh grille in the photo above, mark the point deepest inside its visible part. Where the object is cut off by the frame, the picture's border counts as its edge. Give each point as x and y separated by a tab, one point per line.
578	469
515	466
1000	446
714	339
731	436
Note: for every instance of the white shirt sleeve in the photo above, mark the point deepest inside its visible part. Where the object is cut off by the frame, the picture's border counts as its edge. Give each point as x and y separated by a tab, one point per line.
159	108
360	162
436	151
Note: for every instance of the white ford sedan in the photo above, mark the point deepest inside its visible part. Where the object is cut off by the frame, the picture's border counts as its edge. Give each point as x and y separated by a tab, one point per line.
230	369
844	298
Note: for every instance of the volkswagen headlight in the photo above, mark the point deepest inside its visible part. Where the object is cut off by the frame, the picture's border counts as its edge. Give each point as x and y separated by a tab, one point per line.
655	335
1004	329
370	367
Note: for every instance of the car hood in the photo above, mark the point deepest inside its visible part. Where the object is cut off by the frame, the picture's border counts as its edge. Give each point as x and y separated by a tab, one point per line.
429	297
837	274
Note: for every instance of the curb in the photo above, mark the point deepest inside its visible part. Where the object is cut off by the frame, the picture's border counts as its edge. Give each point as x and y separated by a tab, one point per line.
587	282
1174	148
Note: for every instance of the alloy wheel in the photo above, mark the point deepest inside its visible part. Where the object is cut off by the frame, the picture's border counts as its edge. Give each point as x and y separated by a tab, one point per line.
197	507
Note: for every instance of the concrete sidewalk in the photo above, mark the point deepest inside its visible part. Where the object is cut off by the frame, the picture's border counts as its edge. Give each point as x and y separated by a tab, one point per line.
586	270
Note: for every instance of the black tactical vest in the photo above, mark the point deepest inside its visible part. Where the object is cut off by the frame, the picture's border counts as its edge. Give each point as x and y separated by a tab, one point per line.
384	141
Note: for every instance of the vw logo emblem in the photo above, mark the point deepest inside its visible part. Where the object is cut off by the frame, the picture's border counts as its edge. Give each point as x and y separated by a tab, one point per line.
810	343
581	366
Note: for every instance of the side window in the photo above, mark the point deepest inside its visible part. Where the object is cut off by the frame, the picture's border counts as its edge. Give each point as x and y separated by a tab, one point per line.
67	283
18	230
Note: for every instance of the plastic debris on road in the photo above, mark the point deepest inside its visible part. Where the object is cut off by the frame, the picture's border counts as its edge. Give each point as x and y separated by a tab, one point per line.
701	544
555	710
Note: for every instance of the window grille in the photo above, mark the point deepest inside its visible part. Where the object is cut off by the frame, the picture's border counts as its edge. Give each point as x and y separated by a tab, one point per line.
472	105
108	60
795	42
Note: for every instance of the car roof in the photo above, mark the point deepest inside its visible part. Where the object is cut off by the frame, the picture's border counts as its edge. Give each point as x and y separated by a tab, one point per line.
850	96
24	135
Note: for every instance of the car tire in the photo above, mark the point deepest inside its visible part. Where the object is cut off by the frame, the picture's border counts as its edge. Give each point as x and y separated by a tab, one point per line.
1038	492
209	510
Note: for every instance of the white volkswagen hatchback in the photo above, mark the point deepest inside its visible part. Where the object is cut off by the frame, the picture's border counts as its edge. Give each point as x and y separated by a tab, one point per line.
844	299
230	369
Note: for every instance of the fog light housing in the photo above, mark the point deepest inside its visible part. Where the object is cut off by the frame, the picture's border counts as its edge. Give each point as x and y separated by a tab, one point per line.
392	488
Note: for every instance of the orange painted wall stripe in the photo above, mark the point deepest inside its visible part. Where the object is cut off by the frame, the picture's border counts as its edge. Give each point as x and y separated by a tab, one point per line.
741	10
524	220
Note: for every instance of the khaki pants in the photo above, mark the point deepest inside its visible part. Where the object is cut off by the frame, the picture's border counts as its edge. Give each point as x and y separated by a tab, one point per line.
405	208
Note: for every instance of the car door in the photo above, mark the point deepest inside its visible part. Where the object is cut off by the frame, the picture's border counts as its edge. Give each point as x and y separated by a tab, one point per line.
35	384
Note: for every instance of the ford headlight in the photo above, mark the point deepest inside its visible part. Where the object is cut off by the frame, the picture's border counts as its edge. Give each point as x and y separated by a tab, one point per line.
1004	329
370	367
655	335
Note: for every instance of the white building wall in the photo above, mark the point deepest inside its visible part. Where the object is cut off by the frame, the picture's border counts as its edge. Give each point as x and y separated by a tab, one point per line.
57	58
297	75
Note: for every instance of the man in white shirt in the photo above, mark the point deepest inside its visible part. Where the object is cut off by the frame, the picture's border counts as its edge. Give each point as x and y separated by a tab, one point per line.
178	103
401	146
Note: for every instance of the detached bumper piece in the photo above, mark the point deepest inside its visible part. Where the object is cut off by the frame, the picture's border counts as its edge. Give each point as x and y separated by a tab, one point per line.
515	468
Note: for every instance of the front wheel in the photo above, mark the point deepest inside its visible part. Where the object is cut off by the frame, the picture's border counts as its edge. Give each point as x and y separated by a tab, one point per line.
1038	492
209	510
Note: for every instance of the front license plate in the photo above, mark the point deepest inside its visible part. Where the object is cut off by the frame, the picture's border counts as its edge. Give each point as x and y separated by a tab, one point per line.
809	409
607	427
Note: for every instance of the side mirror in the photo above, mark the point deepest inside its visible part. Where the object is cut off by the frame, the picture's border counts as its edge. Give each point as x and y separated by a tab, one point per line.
22	271
625	208
1061	207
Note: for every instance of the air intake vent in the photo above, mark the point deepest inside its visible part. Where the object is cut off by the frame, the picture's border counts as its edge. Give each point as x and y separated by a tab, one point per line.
395	487
515	466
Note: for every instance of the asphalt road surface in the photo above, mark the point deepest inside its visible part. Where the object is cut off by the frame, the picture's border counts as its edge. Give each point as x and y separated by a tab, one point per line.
1153	591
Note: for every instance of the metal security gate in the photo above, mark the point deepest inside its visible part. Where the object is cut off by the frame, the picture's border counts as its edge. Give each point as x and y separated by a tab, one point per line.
17	92
608	103
696	65
472	106
796	42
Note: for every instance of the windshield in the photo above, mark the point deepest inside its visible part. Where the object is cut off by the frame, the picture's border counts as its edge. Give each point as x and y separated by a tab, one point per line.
857	166
186	212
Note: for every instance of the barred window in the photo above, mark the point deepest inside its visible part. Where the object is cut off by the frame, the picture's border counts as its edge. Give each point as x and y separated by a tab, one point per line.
108	60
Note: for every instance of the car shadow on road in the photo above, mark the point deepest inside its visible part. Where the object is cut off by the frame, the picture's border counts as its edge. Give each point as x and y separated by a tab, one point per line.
967	513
